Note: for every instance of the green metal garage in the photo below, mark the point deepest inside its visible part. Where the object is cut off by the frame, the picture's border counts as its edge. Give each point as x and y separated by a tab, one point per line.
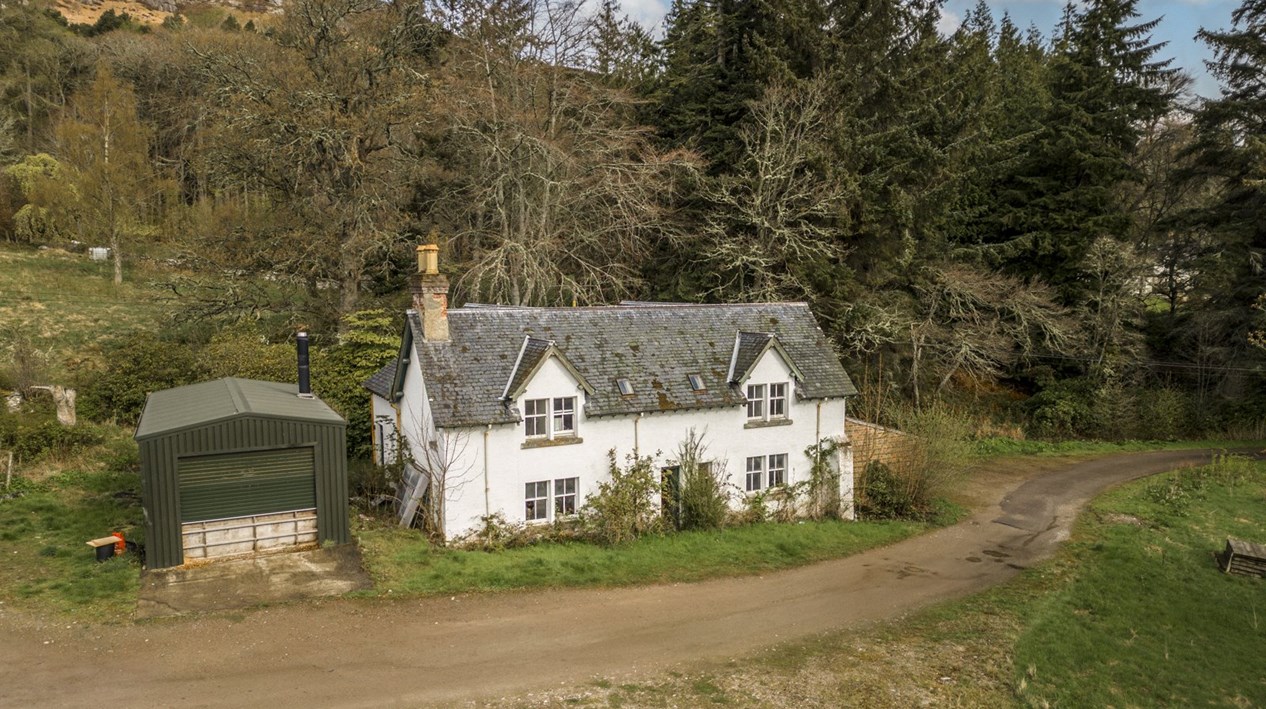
239	466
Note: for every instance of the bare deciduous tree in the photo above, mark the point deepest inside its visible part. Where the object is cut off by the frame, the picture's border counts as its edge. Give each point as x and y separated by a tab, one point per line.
320	122
780	209
977	323
562	195
436	470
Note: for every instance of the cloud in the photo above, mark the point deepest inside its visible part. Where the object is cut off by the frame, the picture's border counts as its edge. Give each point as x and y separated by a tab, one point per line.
648	13
949	22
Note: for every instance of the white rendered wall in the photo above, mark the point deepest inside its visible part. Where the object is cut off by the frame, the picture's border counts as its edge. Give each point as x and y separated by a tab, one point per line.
728	438
386	429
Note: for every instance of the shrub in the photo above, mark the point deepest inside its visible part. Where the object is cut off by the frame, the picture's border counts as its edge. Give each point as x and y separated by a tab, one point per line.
371	487
1163	414
824	479
702	498
624	508
935	455
368	341
123	456
884	495
115	386
31	436
245	352
1061	410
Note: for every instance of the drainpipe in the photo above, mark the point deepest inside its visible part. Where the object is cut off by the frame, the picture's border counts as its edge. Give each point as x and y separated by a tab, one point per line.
487	505
817	431
636	447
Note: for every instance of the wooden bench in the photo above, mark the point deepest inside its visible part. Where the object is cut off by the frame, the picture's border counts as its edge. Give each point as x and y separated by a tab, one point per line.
1245	558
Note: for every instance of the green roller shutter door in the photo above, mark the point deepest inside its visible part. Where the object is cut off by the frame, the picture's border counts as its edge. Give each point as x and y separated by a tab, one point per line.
240	484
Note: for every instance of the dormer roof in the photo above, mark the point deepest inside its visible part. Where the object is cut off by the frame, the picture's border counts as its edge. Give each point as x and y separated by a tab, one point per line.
750	348
534	353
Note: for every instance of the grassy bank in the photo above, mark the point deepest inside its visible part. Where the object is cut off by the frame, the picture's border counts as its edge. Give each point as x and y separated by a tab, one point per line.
1001	447
1132	612
64	301
403	562
1143	618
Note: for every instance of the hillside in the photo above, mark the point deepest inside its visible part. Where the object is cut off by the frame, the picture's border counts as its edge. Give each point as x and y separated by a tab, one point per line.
153	12
57	304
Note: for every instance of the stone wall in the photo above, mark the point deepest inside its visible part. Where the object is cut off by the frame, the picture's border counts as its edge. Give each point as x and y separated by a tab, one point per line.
872	442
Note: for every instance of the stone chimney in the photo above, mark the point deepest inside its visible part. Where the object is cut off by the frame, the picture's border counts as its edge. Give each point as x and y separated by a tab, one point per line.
430	294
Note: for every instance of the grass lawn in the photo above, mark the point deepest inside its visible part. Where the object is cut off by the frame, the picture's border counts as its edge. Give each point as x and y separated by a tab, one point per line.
1132	612
45	565
403	562
1144	618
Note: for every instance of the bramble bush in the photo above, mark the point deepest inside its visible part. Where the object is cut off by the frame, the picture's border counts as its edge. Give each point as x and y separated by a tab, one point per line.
624	508
33	436
703	498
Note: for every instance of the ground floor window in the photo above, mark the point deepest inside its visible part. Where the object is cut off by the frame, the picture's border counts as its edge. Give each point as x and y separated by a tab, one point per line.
755	473
565	497
536	499
778	469
774	464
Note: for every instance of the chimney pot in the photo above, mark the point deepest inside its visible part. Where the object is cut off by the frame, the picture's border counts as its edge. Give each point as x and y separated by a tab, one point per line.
430	294
429	260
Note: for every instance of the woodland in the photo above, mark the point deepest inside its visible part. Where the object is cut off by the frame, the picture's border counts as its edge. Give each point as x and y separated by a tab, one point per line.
1041	227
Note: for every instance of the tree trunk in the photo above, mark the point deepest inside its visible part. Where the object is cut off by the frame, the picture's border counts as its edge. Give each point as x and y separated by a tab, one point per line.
118	257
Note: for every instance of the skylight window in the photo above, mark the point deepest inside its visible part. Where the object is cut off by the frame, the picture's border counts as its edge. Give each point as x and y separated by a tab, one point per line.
696	382
626	387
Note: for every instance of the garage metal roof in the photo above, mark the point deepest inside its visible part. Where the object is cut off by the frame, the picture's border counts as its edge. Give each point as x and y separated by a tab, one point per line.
206	402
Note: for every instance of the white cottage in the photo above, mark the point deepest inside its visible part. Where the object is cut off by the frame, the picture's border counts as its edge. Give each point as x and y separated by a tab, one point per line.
514	410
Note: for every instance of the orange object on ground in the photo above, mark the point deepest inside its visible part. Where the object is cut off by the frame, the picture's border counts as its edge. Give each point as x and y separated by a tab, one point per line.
120	547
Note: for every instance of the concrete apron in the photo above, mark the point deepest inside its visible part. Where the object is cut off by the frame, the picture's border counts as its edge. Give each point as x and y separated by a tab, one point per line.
239	583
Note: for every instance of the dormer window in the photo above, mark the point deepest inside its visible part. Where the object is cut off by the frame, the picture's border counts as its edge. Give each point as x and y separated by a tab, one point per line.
778	400
756	401
536	418
564	416
549	418
767	403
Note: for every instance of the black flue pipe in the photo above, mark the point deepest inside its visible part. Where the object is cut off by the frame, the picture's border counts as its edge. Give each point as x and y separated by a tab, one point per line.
305	385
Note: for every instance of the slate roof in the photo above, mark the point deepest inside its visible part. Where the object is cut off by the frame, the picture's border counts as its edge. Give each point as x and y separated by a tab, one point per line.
747	347
206	402
531	353
654	346
380	383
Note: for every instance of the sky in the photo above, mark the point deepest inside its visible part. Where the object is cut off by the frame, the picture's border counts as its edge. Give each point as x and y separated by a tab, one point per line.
1180	19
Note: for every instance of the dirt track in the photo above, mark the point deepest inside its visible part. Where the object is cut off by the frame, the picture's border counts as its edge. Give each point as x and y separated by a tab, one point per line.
442	650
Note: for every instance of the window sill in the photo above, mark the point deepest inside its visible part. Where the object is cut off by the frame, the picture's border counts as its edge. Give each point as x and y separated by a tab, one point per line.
767	424
551	442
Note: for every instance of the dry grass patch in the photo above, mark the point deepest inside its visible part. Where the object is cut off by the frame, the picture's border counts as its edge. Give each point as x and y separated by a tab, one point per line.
63	302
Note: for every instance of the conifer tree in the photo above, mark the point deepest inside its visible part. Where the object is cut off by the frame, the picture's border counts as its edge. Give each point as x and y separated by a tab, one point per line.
720	55
1104	80
1231	151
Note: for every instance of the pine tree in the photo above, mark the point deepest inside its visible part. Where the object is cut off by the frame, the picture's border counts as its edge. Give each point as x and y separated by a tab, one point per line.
1231	152
1104	81
622	50
720	55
